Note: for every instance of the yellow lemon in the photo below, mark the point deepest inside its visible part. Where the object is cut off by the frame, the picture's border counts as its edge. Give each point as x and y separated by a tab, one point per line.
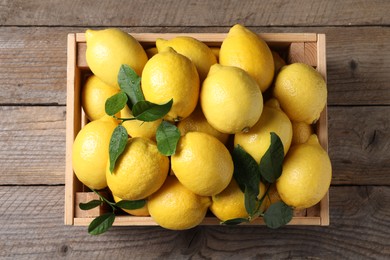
139	171
215	50
175	207
137	128
168	75
301	91
196	122
244	49
136	212
230	203
202	164
198	52
301	132
90	152
94	94
278	61
151	52
306	175
258	139
108	49
230	99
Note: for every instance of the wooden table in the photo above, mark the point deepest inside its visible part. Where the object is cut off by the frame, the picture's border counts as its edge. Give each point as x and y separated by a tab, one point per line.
32	129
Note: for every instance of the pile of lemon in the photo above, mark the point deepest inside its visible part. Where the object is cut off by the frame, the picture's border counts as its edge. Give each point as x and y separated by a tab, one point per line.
217	100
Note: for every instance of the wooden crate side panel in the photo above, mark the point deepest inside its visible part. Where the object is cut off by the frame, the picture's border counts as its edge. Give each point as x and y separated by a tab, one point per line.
72	124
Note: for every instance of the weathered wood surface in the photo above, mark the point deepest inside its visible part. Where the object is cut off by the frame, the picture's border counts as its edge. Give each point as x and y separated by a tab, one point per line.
31	226
33	63
194	12
32	129
32	145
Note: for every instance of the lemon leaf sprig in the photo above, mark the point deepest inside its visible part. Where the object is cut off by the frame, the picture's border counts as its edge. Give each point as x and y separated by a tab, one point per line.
248	175
130	94
117	145
129	83
103	222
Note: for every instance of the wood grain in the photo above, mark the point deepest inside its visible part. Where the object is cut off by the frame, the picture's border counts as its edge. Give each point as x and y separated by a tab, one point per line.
33	67
32	224
32	148
32	145
194	13
359	145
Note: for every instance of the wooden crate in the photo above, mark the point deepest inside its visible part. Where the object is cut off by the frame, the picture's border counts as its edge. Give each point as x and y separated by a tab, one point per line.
294	47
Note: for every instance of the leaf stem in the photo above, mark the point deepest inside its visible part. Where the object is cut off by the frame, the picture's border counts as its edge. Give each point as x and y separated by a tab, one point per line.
112	205
125	118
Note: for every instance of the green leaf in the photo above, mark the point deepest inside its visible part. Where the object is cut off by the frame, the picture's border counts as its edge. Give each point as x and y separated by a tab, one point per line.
246	170
167	137
117	145
272	161
101	224
251	202
148	111
278	214
90	204
115	103
235	221
130	204
129	82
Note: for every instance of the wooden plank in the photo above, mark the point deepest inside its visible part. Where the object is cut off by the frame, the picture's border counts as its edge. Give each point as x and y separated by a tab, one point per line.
194	13
359	145
33	62
32	150
32	224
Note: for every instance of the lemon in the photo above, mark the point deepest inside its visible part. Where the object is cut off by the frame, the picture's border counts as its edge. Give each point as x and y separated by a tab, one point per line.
301	132
90	152
136	212
301	91
196	122
230	99
215	50
94	94
108	49
175	207
230	203
137	128
151	52
198	52
139	171
245	49
168	75
306	175
278	61
258	139
202	164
